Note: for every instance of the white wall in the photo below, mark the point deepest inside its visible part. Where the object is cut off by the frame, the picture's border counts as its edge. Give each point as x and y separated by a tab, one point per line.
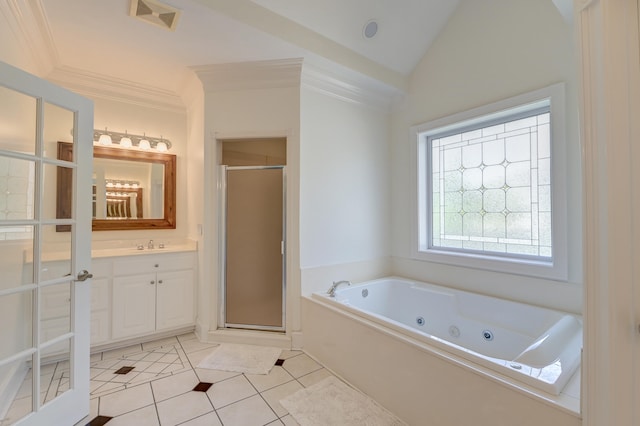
490	50
344	190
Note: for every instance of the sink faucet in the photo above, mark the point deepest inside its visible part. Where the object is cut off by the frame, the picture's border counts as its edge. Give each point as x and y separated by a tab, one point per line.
150	245
334	286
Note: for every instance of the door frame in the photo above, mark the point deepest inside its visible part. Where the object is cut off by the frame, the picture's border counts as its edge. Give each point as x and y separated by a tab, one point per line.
607	33
222	238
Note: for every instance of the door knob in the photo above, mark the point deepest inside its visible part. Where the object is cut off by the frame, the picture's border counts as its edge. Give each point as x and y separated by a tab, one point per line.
84	275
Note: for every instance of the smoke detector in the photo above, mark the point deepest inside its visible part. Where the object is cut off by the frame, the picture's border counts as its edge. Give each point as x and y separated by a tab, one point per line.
156	13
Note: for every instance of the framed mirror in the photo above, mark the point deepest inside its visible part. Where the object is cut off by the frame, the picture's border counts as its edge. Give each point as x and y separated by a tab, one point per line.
131	189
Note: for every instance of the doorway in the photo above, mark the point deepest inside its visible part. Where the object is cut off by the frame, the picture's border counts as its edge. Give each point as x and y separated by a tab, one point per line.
253	183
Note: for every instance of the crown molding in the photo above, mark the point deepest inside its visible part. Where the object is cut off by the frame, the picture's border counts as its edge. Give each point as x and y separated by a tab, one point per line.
365	92
95	85
28	22
250	75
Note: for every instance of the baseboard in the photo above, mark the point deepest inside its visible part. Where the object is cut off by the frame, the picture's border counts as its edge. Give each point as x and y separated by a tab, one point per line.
141	339
297	340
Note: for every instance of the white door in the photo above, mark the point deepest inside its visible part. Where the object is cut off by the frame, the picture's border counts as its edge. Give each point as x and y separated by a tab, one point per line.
44	363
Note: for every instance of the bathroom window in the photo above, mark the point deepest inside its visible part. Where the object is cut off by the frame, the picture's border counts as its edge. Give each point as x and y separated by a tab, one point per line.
490	185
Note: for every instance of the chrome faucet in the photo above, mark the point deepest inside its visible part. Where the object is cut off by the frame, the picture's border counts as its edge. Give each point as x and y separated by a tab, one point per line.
334	286
150	245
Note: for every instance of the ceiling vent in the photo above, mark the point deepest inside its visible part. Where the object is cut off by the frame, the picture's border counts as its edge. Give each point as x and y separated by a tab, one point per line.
156	13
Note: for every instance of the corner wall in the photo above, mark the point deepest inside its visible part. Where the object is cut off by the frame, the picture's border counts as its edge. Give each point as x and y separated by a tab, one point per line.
491	50
344	190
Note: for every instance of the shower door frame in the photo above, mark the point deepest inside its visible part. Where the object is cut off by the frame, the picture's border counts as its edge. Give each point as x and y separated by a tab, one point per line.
222	179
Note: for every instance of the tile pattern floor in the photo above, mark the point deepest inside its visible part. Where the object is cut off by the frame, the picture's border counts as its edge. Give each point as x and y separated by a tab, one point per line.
159	390
54	380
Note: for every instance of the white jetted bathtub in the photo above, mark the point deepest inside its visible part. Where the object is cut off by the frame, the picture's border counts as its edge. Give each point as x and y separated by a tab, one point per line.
537	346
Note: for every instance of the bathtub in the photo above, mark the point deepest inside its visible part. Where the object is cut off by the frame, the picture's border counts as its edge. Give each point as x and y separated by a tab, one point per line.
532	345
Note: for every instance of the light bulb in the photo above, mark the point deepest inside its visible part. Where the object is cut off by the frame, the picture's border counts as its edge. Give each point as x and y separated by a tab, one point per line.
161	146
125	142
104	140
144	144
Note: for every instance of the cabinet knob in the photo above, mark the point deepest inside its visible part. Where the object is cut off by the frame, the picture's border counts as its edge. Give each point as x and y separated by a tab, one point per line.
156	265
159	281
152	282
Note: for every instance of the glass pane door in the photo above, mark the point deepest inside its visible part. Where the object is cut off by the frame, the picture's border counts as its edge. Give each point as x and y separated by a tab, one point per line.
44	355
254	257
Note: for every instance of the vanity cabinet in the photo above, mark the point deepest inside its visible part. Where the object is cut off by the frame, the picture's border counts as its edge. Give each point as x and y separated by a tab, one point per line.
131	296
100	301
152	293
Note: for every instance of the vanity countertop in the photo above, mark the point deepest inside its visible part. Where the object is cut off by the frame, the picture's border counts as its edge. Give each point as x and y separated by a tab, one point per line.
133	251
110	250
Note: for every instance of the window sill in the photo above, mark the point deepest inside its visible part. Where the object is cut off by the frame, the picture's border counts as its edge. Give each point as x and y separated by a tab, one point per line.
526	267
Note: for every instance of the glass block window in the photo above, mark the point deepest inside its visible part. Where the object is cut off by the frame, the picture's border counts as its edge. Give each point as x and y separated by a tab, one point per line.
491	186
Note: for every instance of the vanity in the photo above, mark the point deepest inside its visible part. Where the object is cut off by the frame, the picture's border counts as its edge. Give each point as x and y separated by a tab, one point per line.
135	295
143	293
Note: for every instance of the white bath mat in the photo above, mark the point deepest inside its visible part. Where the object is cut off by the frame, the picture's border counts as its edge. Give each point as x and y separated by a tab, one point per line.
331	402
241	358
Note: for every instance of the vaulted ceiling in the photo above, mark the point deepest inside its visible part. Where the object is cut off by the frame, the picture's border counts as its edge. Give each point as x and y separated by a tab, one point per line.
99	37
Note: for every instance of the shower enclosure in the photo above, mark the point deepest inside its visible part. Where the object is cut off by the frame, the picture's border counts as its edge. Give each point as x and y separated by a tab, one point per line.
253	247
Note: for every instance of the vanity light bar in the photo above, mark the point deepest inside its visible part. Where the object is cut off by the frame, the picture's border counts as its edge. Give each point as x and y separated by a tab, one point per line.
121	183
107	137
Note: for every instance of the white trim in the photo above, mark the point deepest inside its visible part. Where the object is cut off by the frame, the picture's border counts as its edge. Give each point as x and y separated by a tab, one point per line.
107	87
558	268
28	21
371	94
608	36
250	75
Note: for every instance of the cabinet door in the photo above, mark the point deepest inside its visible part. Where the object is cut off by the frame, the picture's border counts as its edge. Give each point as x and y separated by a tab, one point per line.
134	305
175	299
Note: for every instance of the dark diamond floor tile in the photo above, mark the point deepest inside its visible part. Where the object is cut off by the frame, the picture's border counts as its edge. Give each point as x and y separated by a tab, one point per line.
123	370
99	421
202	387
279	362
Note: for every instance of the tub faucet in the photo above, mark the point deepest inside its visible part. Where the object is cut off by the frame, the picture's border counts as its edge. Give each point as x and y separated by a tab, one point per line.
150	245
334	286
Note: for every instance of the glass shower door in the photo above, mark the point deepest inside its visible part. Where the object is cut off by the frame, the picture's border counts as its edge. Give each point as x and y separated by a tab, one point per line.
254	249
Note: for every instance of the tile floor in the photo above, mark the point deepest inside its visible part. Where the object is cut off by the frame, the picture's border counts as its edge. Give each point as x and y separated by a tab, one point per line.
159	390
